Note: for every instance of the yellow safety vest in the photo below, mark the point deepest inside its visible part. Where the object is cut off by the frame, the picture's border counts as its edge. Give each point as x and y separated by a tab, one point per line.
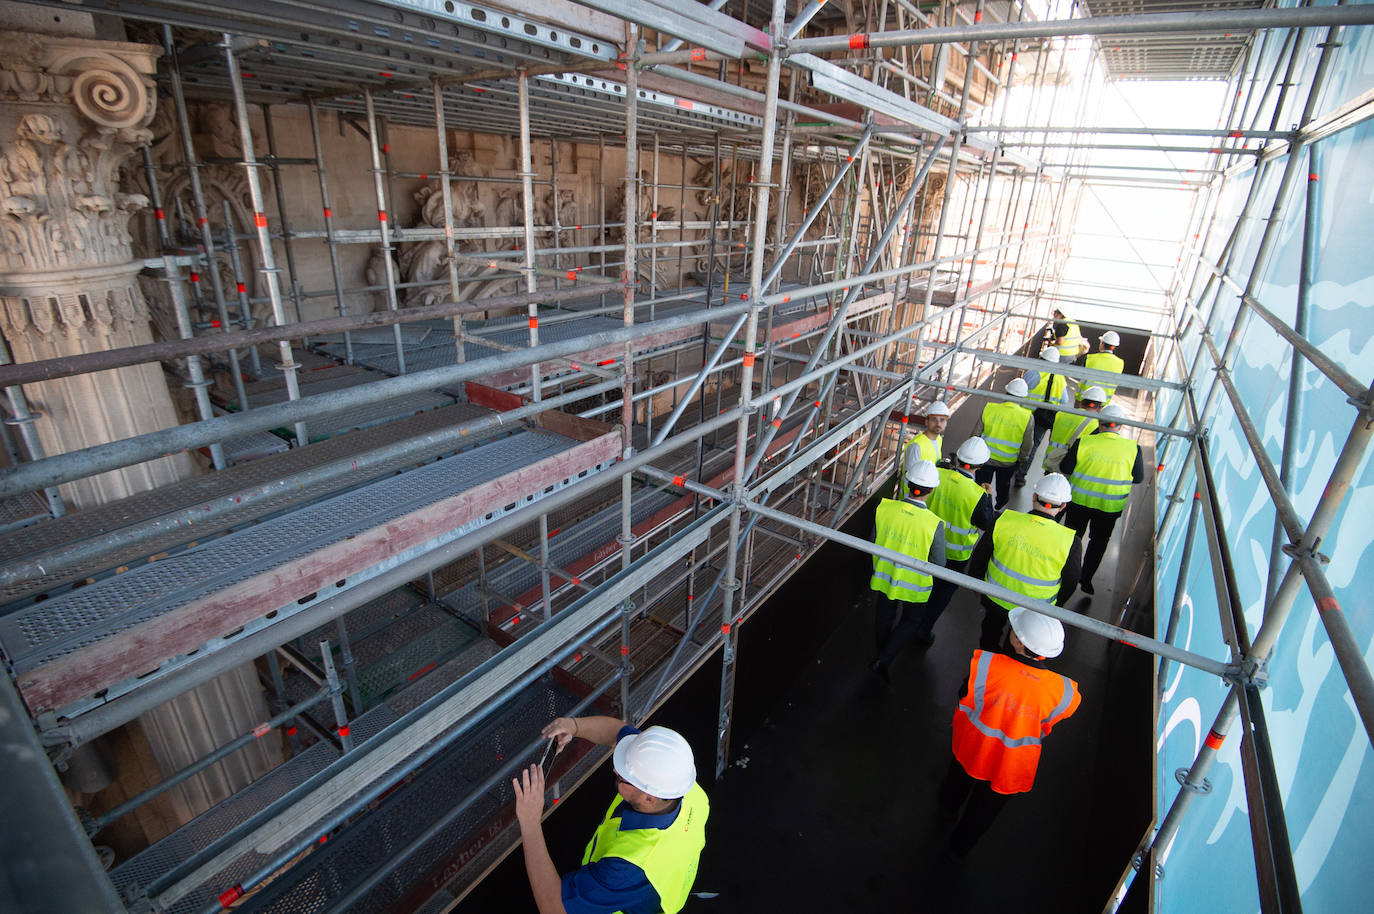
930	450
1105	361
954	501
1056	384
1101	476
1065	424
1072	343
909	529
1028	555
1004	429
668	856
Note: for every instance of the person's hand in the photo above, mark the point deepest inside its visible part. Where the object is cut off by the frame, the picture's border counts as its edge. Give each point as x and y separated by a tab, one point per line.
529	797
562	729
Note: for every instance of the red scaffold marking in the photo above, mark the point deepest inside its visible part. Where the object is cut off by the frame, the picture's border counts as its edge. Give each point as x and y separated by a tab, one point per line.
291	731
229	896
344	730
858	42
1160	468
572	274
328	213
422	671
160	214
261	730
1214	740
1312	176
725	628
1327	604
905	420
684	103
679	480
260	220
195	277
698	53
624	650
978	16
748	360
604	362
241	288
786	299
777	423
534	323
381	215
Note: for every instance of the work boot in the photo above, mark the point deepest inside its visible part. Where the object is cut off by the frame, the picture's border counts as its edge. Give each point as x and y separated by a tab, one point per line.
1087	585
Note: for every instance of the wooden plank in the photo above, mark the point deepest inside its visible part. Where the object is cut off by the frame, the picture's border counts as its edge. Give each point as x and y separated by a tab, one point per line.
141	649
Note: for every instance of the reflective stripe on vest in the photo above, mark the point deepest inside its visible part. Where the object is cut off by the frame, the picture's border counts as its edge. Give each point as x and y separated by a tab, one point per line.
1105	361
909	529
1002	720
1028	555
668	856
1004	428
954	501
1101	476
1073	342
1065	425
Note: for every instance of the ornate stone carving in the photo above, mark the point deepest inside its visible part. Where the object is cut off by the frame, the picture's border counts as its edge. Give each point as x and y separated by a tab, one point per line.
74	112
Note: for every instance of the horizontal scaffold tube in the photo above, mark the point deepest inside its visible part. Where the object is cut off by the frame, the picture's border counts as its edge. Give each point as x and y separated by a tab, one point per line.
1067	616
1143	24
100	458
67	366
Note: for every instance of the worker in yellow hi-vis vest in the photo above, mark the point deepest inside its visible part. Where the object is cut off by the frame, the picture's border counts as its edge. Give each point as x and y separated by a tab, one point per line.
1068	338
1106	359
909	527
1005	427
1049	389
930	441
643	856
1031	554
1101	468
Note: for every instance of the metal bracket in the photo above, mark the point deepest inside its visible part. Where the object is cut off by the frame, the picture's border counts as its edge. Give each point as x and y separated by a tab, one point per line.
1293	551
1181	775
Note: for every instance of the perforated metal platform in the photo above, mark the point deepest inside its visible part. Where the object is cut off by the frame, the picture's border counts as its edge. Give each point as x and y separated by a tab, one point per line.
46	632
147	506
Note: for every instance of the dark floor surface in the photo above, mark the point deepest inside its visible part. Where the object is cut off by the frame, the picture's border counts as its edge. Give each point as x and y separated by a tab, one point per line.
829	801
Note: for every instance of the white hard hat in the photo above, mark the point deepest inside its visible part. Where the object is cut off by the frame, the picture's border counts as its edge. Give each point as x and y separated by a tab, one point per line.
1111	414
657	761
1094	393
938	408
974	452
1111	338
1054	489
1049	355
1041	635
921	472
1017	387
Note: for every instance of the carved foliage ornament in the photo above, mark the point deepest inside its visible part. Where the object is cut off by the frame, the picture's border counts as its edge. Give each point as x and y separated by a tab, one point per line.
74	112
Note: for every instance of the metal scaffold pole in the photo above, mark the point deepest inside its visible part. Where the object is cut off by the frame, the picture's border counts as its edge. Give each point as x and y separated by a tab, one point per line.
731	588
266	260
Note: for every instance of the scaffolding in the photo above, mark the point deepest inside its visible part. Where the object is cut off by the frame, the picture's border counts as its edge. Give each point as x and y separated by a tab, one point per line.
569	455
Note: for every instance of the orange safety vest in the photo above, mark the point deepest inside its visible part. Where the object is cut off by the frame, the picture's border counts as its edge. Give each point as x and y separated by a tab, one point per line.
1010	707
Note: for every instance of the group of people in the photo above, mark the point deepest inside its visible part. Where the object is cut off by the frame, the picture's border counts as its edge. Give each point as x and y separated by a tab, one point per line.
949	517
643	857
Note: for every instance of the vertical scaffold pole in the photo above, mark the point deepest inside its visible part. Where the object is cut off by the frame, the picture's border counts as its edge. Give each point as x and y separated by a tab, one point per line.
384	226
266	258
207	236
731	595
629	279
330	241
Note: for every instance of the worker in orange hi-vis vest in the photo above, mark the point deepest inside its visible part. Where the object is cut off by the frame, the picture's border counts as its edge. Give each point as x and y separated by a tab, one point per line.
1010	705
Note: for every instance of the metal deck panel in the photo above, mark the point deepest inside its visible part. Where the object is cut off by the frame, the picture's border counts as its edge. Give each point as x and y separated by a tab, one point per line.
161	857
318	881
48	643
199	490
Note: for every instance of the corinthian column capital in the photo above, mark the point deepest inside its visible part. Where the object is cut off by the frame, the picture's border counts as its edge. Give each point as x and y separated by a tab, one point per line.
72	111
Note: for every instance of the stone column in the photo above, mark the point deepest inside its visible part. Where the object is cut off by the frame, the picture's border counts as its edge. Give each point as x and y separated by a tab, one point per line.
72	113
